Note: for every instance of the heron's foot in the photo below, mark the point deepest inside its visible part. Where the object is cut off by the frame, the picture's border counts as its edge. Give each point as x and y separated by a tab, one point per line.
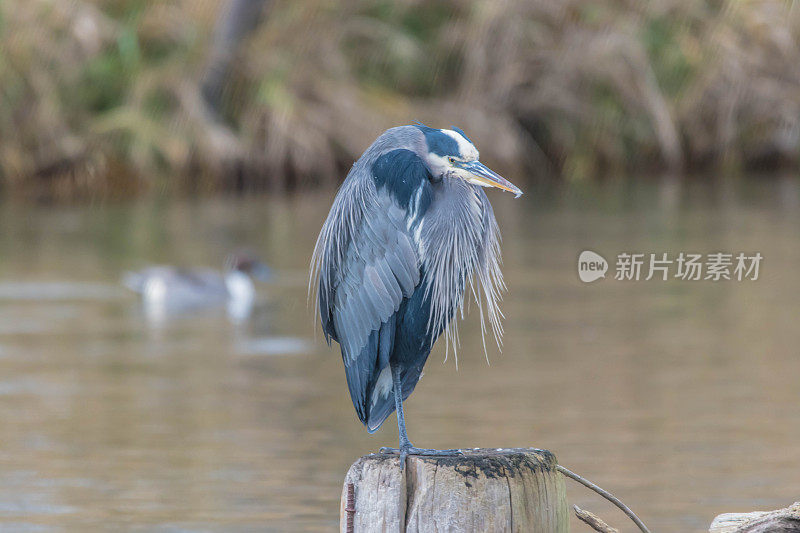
413	450
405	451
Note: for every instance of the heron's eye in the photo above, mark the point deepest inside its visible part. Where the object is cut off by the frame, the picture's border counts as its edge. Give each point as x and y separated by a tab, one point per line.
451	159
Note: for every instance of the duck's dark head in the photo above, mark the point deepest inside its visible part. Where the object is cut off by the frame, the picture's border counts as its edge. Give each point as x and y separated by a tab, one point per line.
248	263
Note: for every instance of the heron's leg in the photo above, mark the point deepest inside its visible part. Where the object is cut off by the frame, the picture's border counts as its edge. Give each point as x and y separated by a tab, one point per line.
397	387
406	448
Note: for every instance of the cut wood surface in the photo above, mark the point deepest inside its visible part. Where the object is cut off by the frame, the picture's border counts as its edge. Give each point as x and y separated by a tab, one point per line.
508	489
783	520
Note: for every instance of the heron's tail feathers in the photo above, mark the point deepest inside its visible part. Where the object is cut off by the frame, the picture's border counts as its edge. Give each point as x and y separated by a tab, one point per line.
383	406
378	401
379	413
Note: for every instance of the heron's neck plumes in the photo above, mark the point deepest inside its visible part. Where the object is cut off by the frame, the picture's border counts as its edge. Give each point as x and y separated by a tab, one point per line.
461	242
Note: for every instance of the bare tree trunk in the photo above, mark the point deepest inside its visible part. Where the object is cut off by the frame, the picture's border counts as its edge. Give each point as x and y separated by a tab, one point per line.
238	18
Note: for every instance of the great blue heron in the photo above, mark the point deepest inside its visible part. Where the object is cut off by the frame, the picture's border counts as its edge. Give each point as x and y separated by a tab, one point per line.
408	230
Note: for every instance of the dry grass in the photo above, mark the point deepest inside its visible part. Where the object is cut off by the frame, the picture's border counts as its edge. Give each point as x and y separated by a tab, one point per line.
102	97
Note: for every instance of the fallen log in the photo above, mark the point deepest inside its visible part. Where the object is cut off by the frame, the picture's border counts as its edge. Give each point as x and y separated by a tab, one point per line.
783	520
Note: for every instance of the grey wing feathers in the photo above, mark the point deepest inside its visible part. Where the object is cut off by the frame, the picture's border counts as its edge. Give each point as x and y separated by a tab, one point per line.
380	268
367	264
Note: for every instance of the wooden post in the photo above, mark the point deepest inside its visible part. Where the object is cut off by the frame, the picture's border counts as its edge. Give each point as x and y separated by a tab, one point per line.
515	489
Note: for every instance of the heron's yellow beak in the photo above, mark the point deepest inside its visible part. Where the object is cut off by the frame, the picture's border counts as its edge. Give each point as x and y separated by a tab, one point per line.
480	174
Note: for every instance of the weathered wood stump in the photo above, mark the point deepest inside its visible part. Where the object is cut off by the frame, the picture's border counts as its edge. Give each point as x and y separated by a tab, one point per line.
516	489
784	520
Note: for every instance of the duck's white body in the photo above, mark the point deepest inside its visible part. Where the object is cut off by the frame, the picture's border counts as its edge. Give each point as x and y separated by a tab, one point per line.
167	290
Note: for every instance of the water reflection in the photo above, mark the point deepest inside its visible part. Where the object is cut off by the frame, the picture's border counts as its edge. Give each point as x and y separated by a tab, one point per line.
681	397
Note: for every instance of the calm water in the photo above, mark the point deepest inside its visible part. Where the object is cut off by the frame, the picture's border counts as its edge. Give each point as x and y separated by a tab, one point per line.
680	397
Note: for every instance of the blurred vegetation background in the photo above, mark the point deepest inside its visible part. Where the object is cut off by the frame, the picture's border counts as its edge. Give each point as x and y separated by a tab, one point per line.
112	98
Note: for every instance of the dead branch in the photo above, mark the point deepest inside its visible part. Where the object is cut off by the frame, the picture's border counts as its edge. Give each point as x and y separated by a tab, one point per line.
605	494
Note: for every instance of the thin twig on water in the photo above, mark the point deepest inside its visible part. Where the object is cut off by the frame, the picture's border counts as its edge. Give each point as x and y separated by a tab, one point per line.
605	494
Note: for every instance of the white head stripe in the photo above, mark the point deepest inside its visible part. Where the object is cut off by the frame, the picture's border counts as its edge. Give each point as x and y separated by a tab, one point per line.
465	148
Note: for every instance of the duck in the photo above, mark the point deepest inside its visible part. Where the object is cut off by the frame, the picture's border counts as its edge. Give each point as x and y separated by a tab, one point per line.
167	290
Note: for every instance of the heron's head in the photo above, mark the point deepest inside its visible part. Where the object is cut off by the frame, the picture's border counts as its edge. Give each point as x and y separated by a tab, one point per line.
451	155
